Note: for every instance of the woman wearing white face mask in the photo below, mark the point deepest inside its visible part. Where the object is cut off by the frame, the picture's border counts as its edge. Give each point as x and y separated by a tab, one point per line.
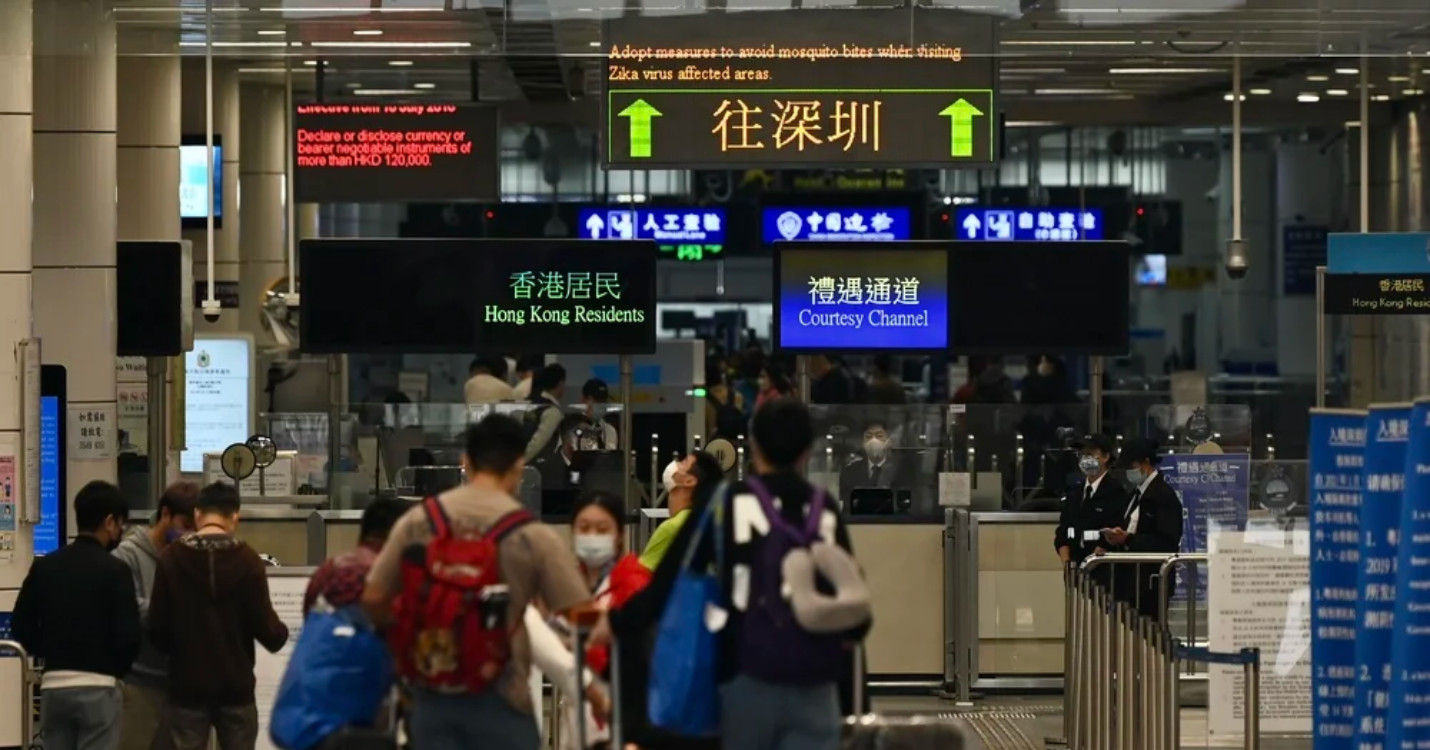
598	536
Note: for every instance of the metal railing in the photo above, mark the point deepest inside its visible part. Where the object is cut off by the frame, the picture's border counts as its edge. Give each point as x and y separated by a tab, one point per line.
27	687
1122	686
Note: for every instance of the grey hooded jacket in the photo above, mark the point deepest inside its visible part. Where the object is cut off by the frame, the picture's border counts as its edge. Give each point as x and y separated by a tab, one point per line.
138	552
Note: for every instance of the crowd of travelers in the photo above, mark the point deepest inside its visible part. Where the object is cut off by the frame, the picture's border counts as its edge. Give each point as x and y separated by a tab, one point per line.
736	626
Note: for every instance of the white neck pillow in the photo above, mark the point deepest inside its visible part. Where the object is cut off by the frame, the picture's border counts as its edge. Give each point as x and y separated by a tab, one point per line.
815	612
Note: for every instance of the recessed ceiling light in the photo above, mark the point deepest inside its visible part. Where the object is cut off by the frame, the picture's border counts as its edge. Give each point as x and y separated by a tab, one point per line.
353	85
1308	98
1318	78
1069	42
367	32
400	63
311	63
1398	79
594	44
1160	71
424	86
1229	97
1381	97
1261	92
393	45
271	32
1412	92
386	92
1348	71
1336	92
238	44
1075	92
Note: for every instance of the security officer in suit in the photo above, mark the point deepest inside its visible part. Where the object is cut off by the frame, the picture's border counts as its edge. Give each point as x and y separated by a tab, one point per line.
1151	522
1091	506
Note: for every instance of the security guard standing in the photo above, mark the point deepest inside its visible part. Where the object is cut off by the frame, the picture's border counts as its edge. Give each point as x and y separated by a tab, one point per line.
1151	522
1090	507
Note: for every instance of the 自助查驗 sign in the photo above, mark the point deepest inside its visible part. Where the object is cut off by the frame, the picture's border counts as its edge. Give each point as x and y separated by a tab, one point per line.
560	297
976	224
860	298
806	87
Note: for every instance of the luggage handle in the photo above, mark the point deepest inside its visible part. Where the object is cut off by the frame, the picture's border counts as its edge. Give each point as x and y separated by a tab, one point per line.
584	621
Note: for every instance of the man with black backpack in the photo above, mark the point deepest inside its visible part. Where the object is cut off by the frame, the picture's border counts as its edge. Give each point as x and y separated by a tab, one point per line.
452	584
542	423
787	650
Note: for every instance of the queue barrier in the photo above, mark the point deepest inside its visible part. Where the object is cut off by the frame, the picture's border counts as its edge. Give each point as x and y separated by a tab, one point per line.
27	687
1122	689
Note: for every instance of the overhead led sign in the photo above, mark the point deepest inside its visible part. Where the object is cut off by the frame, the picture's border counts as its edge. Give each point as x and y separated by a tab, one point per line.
681	233
835	224
800	87
979	224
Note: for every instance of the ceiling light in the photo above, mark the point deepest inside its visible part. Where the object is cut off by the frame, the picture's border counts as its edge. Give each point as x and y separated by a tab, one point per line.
1229	97
393	45
1398	79
236	44
1317	79
1336	92
367	32
1260	92
1412	92
1381	97
386	92
271	32
1075	92
594	44
313	63
424	86
363	8
1308	98
1160	71
1033	71
400	63
1347	71
1068	42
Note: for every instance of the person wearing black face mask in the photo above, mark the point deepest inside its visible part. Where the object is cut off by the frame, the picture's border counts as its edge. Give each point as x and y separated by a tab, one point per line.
1092	505
1150	522
78	612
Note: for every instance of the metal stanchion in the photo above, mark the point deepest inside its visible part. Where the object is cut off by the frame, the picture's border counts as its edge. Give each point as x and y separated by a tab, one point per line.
1251	693
27	685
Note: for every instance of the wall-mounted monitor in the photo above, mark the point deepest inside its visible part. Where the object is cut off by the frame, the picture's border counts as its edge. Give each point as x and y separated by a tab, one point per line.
193	187
154	298
1152	270
50	532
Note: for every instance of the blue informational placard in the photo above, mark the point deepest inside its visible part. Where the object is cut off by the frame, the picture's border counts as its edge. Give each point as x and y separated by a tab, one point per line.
1337	456
1407	252
669	225
1303	248
47	531
1407	725
836	224
1382	482
1216	493
980	224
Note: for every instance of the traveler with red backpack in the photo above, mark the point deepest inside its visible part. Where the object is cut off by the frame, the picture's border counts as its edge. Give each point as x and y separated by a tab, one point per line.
451	586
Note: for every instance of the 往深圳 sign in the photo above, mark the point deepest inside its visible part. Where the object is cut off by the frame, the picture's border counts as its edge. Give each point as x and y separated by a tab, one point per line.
977	224
801	87
689	234
560	297
836	224
861	298
1378	274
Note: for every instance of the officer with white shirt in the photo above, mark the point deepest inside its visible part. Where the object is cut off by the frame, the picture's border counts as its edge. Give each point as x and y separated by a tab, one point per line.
1151	522
1091	506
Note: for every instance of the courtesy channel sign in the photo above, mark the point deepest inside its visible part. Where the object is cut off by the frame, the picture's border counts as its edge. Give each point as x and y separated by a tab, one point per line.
861	298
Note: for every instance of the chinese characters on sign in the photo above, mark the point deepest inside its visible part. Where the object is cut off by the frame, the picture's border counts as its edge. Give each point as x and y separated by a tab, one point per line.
1410	653
1377	294
856	290
1028	225
554	285
1216	494
849	297
836	224
797	124
1303	248
90	432
685	233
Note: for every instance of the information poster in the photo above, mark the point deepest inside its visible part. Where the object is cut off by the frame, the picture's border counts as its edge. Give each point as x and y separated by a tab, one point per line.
1408	724
1382	482
1337	457
392	153
791	88
9	496
1259	596
91	431
889	297
1215	491
285	589
568	297
47	531
218	398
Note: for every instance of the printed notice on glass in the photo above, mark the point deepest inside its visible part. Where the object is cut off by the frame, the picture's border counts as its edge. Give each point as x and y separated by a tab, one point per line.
90	431
1259	595
286	593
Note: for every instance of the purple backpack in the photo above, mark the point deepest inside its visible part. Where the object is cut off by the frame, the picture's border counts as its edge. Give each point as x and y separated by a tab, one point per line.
773	647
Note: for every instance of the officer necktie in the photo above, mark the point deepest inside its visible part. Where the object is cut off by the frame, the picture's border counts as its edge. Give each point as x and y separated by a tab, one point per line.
874	475
1132	506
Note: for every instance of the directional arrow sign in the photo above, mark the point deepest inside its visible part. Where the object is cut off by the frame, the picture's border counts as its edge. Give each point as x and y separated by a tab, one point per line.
972	225
594	225
640	114
960	115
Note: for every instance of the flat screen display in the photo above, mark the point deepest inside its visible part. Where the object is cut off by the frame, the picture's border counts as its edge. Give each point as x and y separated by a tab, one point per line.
1040	297
1152	270
150	288
193	187
396	153
563	296
378	296
861	298
47	531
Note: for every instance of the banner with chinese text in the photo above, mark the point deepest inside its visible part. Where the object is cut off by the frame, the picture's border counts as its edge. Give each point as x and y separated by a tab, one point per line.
1408	721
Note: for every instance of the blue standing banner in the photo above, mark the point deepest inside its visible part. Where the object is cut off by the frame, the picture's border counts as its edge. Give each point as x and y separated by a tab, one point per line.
1337	453
1382	481
1408	724
1215	490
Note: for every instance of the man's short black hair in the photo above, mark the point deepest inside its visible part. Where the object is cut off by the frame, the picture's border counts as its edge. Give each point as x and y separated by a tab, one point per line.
219	498
547	378
495	444
180	499
884	363
493	366
705	468
870	424
783	431
596	390
378	518
94	503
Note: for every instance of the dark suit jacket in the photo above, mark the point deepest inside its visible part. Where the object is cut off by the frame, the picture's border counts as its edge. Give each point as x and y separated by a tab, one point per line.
1104	510
856	476
1159	529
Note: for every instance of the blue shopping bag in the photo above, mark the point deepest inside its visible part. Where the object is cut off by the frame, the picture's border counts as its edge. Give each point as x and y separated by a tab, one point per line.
337	676
683	694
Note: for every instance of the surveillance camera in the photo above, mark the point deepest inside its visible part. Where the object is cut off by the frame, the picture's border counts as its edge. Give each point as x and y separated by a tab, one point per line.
211	309
1236	259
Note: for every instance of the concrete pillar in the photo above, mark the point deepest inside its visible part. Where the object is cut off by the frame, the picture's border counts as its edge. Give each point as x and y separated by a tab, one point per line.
263	244
75	212
16	177
307	220
226	124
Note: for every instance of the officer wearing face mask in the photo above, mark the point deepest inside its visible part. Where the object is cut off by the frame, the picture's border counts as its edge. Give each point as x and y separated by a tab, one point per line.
1151	522
1090	506
596	400
876	468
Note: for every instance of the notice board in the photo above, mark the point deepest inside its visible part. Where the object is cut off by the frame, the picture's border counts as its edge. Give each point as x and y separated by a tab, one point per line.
285	590
795	88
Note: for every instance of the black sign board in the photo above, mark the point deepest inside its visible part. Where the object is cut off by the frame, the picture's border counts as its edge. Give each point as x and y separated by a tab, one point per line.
799	88
395	153
569	297
154	319
1377	294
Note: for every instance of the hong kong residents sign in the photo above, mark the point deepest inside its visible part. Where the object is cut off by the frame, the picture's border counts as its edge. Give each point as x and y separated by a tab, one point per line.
568	297
1378	274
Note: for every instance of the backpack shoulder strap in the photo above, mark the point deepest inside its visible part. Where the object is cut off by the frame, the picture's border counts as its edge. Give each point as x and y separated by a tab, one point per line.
437	517
508	523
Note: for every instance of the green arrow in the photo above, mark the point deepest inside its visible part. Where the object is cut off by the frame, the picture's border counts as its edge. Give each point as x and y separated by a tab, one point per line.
960	115
640	113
